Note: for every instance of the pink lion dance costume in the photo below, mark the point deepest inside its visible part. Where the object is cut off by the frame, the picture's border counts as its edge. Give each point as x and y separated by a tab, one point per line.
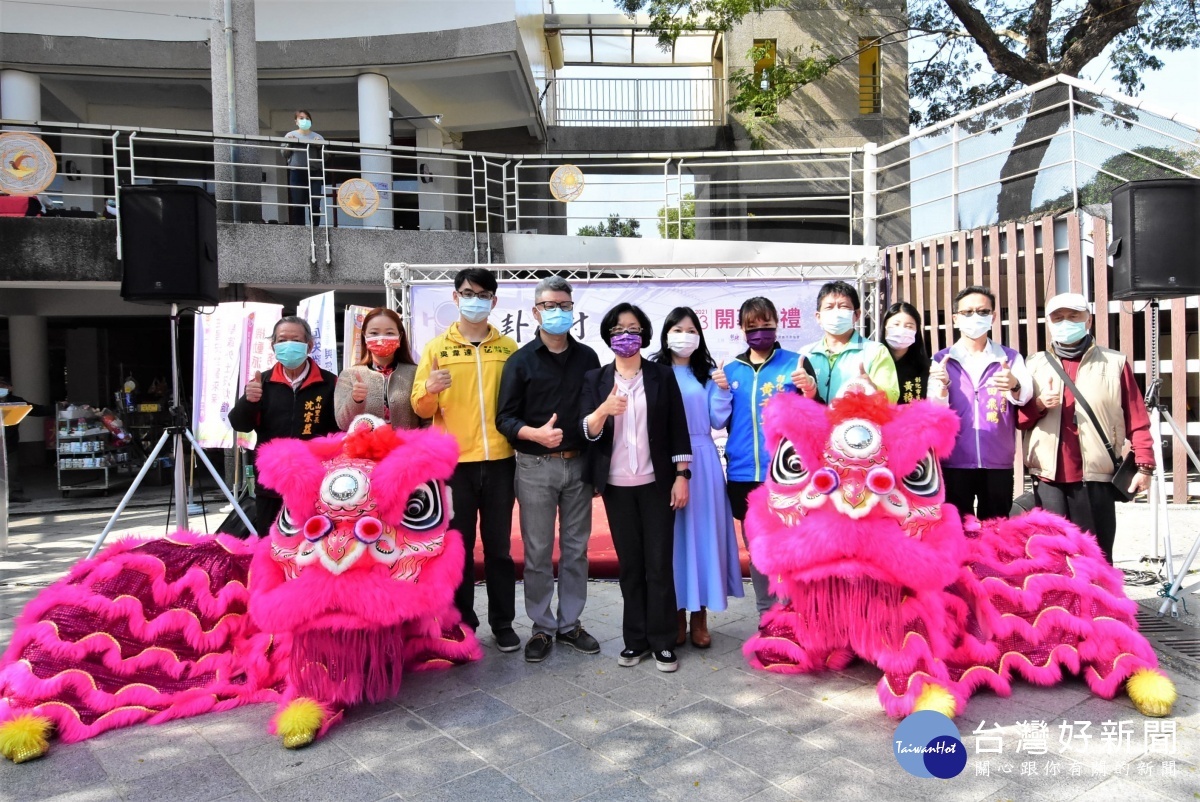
851	529
353	586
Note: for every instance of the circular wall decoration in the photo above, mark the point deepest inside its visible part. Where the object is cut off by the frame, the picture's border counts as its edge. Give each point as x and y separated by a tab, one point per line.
27	165
566	183
358	198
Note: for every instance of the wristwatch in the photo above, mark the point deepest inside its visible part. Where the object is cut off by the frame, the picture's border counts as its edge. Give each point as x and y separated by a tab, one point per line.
686	473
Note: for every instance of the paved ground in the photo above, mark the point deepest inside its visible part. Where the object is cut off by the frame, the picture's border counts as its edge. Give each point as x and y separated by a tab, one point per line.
577	726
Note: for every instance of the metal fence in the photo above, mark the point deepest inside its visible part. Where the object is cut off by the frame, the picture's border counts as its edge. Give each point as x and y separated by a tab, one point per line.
635	102
1059	145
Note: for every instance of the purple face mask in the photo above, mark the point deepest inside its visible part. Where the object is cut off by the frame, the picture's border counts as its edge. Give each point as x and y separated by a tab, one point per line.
625	344
760	339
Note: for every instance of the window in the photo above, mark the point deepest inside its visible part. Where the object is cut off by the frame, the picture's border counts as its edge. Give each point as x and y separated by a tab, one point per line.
870	80
763	68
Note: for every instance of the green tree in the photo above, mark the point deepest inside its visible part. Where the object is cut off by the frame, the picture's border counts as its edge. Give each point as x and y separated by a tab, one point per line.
668	219
980	50
614	226
1142	163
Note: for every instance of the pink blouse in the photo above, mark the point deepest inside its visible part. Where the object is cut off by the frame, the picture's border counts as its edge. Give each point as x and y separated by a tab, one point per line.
630	466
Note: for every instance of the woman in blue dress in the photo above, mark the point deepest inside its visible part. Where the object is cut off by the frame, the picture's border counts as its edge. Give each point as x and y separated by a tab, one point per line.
707	570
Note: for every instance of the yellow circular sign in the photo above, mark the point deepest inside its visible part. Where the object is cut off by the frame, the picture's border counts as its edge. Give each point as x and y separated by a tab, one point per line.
358	197
566	183
27	165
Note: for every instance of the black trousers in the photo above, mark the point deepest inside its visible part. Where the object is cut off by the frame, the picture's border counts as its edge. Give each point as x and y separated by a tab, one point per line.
266	509
1092	506
643	531
298	195
483	496
991	487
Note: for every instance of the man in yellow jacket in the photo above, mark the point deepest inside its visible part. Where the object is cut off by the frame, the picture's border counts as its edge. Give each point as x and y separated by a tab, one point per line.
458	384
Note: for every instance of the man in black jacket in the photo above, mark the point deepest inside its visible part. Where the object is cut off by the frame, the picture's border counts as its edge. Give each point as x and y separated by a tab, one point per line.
294	399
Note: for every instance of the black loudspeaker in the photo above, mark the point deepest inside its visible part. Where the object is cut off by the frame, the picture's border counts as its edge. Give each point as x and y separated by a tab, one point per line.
1156	239
169	244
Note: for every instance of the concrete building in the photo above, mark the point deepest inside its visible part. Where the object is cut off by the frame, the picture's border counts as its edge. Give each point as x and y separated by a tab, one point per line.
457	111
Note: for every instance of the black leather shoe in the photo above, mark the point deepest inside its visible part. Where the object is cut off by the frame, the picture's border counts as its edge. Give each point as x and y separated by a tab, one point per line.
580	640
538	648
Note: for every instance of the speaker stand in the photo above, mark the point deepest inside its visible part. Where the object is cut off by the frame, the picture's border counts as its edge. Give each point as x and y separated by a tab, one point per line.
1170	592
177	432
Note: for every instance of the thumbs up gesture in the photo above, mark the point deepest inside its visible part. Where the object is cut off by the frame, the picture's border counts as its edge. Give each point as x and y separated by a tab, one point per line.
1003	379
254	388
1052	396
804	382
359	391
615	404
718	376
548	434
438	381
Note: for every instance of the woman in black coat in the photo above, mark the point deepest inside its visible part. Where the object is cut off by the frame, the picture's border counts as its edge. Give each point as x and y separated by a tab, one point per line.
639	458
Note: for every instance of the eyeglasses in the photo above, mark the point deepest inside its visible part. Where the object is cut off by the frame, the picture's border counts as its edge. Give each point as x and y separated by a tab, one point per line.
971	312
547	306
483	296
618	330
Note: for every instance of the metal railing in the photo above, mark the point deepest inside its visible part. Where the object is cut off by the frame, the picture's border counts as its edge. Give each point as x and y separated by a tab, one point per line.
635	102
704	195
1058	145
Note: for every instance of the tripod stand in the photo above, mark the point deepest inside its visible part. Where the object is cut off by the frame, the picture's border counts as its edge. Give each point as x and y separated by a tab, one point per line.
177	431
1158	485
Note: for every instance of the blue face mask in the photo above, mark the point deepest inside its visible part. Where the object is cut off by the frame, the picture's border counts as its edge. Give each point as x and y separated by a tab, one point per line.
557	321
291	354
304	125
3	392
474	310
1065	332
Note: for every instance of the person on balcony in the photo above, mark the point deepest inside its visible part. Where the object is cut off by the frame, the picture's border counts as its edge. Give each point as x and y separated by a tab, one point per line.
458	385
382	381
303	145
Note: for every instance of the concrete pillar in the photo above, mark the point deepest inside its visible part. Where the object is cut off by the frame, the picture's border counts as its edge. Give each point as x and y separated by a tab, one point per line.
433	171
20	95
84	365
30	358
375	128
242	94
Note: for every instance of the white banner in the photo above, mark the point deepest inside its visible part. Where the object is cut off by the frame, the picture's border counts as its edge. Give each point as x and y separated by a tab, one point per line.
231	343
318	311
352	321
715	302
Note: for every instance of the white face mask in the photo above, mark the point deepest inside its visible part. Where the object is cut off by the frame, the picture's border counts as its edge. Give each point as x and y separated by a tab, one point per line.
837	321
974	326
900	338
1065	332
682	343
3	392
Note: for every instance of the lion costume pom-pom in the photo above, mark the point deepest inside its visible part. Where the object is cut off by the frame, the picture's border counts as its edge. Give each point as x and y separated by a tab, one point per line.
352	587
851	527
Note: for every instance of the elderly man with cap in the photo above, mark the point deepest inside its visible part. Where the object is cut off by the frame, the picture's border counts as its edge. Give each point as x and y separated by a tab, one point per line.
1064	451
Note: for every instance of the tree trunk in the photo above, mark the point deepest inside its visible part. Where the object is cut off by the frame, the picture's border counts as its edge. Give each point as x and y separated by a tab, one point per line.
1020	170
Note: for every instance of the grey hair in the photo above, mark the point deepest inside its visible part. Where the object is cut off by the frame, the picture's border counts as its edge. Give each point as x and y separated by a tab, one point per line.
299	321
551	284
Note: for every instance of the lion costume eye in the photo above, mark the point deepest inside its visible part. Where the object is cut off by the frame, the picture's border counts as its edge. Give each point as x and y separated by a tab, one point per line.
924	479
424	507
786	468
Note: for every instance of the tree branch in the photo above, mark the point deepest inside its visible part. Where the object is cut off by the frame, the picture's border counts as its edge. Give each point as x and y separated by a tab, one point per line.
1003	60
1103	21
1039	23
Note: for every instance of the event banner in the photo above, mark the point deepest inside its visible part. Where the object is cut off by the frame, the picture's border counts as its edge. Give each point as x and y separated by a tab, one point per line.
231	343
319	312
715	302
352	322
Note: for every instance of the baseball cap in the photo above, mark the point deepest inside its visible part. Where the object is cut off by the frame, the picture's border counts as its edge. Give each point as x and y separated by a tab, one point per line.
1067	300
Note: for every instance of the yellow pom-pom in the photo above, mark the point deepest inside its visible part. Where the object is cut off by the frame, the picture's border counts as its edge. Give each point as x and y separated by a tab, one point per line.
299	721
25	737
935	697
1153	694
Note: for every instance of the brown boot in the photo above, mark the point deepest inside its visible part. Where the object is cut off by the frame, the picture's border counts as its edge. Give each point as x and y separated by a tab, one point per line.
681	638
700	637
